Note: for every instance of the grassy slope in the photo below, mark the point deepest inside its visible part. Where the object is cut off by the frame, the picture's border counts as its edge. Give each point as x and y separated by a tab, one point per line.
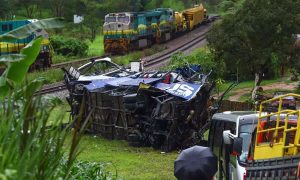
130	162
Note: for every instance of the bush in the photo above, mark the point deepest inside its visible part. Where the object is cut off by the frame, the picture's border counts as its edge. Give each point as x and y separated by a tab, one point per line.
68	46
202	57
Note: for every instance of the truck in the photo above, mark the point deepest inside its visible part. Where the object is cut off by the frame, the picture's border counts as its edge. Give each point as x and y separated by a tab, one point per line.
262	144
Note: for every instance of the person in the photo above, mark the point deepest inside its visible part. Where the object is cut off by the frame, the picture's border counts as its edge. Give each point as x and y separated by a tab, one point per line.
142	64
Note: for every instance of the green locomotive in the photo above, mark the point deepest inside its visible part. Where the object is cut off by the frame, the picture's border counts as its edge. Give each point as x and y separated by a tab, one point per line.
124	32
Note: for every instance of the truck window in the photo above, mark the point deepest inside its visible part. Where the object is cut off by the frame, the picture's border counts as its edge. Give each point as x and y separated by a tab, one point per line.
245	132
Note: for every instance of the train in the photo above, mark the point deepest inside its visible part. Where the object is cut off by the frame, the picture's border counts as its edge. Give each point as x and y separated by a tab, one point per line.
127	31
44	59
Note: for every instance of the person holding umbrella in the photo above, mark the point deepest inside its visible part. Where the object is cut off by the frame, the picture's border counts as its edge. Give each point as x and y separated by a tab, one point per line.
196	163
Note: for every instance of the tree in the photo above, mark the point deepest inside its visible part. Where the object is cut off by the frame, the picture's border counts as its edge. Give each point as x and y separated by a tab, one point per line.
258	36
58	7
5	9
94	13
30	6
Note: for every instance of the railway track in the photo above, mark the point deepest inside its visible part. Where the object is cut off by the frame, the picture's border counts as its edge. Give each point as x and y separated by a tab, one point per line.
166	55
52	89
74	63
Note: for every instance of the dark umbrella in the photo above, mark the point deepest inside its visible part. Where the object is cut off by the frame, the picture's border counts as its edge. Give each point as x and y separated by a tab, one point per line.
196	163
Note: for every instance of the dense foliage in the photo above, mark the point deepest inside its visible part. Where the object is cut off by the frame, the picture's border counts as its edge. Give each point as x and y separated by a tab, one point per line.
202	57
32	146
258	38
68	46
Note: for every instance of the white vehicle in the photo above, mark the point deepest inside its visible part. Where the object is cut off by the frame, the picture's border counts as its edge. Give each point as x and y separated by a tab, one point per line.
236	126
232	138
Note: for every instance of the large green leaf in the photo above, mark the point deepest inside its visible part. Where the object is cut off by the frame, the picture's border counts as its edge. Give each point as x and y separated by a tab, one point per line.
4	87
17	71
27	30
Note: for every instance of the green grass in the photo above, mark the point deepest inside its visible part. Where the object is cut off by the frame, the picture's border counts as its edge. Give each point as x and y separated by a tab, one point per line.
58	58
60	113
138	54
126	59
51	76
96	48
130	162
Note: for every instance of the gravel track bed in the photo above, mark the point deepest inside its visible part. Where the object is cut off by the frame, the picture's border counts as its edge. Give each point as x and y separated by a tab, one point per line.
177	43
60	94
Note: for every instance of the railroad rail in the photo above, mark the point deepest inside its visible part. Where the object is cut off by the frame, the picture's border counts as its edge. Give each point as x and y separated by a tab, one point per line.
168	53
52	88
73	63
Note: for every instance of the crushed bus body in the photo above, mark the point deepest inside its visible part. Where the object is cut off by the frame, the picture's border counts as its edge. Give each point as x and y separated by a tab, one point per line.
162	109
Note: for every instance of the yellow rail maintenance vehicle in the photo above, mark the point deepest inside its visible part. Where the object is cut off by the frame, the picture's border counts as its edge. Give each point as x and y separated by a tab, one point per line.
276	151
262	144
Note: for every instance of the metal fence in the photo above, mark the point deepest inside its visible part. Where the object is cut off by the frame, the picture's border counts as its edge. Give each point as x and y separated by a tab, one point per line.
236	106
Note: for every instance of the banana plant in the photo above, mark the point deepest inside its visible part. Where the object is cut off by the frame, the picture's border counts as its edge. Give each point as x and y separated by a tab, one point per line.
17	65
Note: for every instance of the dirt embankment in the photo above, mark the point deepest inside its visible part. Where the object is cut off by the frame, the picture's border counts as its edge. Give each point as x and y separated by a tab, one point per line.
283	86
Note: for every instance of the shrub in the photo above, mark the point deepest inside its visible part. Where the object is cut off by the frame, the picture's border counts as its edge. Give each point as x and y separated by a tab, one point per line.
202	57
68	46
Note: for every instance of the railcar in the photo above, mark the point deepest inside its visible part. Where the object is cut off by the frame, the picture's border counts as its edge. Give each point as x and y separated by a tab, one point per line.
128	31
44	59
194	16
